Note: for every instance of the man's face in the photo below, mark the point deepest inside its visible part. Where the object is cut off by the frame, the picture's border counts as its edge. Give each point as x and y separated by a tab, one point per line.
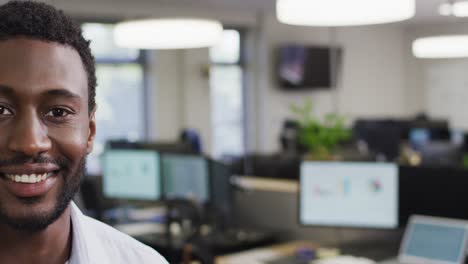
45	130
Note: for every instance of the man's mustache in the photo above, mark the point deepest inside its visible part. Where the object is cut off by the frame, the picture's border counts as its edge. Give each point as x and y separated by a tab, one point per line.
19	160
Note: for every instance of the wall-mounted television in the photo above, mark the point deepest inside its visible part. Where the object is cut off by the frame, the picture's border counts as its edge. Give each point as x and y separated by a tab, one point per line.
307	67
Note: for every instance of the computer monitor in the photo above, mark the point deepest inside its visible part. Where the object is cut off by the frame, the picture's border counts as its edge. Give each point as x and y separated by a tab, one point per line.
434	240
418	137
348	194
434	191
221	189
441	153
383	137
166	147
185	177
132	174
438	129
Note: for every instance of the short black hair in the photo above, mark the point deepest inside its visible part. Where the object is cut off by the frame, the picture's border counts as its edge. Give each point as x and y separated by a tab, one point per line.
44	22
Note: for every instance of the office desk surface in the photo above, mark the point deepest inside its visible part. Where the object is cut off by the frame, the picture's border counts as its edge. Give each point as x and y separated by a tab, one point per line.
260	255
267	184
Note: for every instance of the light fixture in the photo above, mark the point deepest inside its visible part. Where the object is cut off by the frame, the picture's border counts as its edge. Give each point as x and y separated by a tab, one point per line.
343	12
460	9
174	33
445	9
438	47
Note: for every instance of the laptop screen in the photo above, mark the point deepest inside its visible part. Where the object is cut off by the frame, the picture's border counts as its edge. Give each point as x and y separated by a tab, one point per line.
435	242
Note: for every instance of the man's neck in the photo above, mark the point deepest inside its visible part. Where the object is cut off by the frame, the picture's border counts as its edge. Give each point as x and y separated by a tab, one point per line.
51	245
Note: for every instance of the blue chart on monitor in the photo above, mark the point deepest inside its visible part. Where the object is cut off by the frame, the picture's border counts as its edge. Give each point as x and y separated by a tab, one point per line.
349	194
132	174
185	177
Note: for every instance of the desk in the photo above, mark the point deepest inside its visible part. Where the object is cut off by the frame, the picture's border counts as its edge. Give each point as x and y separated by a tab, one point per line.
266	184
260	255
375	251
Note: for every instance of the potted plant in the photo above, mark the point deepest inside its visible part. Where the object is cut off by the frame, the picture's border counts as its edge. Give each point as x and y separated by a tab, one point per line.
319	137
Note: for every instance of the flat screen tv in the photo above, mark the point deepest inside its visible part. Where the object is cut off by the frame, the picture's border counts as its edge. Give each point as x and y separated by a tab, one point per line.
307	67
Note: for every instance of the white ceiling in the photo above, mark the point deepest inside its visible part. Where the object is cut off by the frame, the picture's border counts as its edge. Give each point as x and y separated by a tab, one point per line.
426	10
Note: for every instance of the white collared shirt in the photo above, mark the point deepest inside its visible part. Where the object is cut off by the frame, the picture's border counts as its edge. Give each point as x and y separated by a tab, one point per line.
94	242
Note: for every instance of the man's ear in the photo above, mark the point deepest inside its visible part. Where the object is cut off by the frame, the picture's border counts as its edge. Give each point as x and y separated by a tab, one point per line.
92	131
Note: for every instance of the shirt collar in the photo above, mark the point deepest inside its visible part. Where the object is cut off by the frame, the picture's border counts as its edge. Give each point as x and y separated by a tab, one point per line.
86	246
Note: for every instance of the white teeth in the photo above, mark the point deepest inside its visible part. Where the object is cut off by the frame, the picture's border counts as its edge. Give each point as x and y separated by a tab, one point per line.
24	178
31	178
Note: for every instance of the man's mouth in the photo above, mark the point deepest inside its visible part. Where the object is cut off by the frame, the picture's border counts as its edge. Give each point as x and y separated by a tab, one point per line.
28	178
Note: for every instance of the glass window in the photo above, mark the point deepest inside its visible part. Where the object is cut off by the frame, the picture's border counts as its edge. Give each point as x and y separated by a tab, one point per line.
120	102
119	94
226	81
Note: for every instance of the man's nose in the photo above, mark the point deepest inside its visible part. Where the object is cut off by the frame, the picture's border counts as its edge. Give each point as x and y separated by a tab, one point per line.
30	136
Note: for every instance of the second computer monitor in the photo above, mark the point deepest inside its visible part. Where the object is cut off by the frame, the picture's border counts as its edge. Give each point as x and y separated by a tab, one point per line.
132	174
221	190
185	177
354	194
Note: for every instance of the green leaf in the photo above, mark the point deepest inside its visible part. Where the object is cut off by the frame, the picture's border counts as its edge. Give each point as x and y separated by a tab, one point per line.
320	137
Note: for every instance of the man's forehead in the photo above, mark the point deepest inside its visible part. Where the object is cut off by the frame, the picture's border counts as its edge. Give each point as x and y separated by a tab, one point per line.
26	46
34	66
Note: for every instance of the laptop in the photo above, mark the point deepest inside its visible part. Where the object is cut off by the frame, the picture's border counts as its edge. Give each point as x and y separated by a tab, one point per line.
433	240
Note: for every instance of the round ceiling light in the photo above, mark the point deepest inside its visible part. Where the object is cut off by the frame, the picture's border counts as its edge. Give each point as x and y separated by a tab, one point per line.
168	33
445	9
460	9
441	47
343	12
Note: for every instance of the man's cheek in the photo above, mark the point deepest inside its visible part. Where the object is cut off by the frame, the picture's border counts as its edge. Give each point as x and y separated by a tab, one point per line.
71	142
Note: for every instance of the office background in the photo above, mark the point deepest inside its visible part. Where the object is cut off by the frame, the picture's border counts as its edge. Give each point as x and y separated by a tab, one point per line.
155	95
379	76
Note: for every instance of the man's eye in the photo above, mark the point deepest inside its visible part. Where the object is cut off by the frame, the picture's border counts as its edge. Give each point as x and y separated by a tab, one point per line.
5	111
58	112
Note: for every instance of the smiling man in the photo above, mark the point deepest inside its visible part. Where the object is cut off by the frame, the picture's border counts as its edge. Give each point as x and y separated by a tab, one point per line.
47	127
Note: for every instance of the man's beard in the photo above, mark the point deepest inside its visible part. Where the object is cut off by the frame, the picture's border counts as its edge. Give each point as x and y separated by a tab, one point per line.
41	220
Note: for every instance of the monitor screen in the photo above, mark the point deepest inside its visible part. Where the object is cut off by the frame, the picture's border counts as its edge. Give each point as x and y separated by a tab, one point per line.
221	191
439	192
354	194
185	177
449	246
132	174
418	137
373	131
302	66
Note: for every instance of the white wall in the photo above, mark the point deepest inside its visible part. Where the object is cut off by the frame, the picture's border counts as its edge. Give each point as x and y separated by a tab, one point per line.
197	103
438	87
181	95
371	82
166	83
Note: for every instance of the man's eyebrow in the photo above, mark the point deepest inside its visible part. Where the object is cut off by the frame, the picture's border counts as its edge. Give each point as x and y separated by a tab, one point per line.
4	89
7	90
62	93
